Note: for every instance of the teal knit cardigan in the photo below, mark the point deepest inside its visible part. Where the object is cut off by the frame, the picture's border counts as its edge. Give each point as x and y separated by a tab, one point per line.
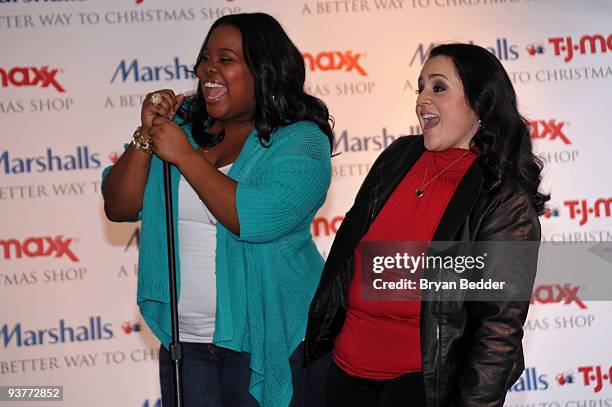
267	275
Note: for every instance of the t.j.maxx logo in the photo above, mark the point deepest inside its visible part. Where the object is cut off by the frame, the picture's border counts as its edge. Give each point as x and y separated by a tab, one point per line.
596	376
567	47
557	294
30	76
334	61
46	246
548	129
581	209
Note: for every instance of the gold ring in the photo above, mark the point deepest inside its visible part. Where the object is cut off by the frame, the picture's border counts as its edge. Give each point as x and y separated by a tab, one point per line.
156	99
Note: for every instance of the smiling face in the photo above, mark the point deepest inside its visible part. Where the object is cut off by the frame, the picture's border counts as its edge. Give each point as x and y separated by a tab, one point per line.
225	79
442	109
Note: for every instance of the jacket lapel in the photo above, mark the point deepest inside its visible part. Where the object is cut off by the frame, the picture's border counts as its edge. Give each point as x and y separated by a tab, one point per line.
460	204
378	186
389	175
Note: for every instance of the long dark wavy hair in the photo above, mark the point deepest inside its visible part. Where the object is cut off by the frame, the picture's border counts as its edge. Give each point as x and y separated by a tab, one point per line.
278	69
503	141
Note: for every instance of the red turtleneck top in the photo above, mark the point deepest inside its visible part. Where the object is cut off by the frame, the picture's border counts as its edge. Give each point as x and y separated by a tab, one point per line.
381	339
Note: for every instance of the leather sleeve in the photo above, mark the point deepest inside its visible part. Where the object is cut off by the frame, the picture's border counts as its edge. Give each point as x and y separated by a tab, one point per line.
357	214
327	310
495	328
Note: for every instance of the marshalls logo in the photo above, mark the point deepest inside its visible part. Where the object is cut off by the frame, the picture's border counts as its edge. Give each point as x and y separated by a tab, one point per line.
63	332
135	71
535	49
80	159
45	246
30	76
130	326
564	378
552	212
530	380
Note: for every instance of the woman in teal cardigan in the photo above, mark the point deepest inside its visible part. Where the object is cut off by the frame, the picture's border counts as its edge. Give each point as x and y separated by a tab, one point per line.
251	167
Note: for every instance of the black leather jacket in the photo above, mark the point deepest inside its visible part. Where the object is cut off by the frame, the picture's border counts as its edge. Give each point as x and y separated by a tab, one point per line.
471	351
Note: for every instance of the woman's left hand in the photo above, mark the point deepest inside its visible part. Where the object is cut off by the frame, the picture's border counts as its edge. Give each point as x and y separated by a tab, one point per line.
168	141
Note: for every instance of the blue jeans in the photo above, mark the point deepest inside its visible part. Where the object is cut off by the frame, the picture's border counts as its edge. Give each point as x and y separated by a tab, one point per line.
219	377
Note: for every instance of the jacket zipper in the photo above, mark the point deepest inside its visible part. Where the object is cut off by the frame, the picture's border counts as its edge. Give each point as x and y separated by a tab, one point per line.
438	355
372	211
438	342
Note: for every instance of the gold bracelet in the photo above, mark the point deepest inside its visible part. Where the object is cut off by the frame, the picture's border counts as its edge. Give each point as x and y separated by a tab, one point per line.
139	143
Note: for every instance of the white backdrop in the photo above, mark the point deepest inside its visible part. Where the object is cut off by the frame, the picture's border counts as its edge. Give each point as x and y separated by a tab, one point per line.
73	74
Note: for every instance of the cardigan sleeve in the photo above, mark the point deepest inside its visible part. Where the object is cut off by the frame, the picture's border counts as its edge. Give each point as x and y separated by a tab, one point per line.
289	187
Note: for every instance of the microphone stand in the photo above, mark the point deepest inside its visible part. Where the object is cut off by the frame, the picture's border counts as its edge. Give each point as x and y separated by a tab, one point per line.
176	354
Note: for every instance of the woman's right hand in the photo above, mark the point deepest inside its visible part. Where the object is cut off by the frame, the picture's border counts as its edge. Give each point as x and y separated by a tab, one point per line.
167	108
124	185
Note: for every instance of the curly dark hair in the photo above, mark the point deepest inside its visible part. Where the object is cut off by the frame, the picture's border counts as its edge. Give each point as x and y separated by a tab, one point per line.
278	69
503	141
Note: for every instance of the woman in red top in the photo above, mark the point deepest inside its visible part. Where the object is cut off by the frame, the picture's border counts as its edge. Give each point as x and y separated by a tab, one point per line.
472	176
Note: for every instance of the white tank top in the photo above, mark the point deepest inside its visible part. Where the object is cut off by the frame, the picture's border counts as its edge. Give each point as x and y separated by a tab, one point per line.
197	243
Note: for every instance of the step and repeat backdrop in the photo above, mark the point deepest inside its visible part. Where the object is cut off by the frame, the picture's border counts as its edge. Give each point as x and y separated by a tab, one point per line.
73	76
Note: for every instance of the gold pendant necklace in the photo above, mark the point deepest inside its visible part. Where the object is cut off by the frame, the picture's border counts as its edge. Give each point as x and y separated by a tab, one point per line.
419	192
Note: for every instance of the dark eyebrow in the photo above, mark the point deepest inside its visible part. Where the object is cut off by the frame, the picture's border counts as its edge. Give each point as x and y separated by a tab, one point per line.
221	49
433	75
230	50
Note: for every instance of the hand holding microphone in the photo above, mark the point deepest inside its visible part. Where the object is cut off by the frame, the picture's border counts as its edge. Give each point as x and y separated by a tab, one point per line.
167	139
160	103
